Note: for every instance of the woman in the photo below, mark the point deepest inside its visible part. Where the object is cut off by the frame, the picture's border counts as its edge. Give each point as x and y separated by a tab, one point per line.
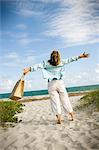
53	71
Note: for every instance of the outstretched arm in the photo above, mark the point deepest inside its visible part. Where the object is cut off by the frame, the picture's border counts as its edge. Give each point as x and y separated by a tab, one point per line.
34	68
69	60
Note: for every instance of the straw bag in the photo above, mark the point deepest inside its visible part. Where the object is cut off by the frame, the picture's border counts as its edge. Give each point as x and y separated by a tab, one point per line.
18	90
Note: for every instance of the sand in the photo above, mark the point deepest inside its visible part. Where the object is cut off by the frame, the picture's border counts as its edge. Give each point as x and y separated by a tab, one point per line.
39	131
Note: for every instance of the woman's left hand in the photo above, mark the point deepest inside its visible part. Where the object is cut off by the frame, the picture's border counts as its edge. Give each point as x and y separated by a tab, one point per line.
84	55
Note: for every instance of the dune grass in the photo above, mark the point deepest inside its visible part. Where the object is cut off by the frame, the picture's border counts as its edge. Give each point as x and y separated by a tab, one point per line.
8	109
91	98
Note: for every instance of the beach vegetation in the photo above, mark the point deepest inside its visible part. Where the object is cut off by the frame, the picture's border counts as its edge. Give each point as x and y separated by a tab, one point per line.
8	111
90	99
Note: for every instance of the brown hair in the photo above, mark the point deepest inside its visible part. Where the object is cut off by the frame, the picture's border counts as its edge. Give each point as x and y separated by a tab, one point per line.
54	58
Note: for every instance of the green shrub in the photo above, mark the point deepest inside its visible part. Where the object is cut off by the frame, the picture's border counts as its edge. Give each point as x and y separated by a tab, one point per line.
8	109
87	100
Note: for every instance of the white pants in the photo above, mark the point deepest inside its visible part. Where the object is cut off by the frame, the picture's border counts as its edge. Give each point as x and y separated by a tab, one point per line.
58	93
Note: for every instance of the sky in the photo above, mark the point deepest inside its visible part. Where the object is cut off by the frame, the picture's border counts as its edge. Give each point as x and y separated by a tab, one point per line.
31	29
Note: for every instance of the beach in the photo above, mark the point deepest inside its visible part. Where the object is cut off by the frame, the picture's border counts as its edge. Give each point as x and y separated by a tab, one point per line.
37	129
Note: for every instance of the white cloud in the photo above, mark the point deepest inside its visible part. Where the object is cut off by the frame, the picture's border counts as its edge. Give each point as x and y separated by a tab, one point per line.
25	41
5	84
28	8
97	78
23	38
14	35
21	26
78	77
19	35
81	78
30	59
14	59
29	13
97	69
75	23
29	84
12	55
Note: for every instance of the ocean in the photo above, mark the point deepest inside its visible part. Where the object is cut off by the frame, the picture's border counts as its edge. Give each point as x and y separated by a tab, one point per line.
45	92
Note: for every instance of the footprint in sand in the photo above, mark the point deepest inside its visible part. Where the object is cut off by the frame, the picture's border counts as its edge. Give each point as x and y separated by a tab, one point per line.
64	136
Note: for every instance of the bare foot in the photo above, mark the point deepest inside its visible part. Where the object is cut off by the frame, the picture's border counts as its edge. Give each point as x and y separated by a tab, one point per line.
71	119
71	116
58	119
62	119
58	122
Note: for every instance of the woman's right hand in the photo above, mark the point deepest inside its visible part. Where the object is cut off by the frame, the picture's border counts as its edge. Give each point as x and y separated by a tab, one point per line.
26	70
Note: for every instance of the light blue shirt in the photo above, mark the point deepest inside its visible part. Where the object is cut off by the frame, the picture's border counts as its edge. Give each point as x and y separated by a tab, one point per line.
50	72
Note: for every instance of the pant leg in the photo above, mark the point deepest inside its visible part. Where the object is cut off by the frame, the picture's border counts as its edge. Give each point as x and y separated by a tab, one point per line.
54	98
64	97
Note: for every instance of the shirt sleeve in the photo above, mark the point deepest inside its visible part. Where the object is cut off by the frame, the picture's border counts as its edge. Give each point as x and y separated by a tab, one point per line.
69	60
38	66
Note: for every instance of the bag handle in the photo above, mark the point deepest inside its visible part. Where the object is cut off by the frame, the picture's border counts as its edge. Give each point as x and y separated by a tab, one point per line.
22	77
